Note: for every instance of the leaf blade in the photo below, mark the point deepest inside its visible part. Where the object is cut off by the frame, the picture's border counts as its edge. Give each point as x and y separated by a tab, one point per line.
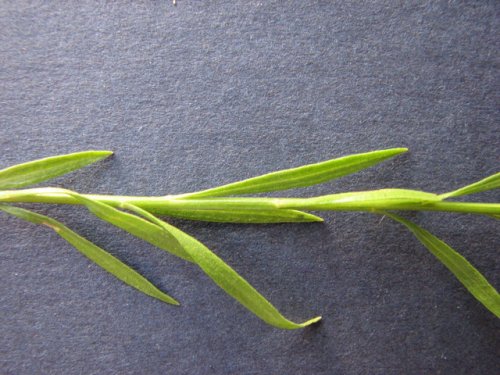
40	170
93	252
465	272
226	278
245	216
489	183
234	215
303	176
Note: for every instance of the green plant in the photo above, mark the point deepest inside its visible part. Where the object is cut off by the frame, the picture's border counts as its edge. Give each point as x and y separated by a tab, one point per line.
136	215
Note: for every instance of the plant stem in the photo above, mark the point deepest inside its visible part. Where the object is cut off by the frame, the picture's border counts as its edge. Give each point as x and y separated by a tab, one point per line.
172	205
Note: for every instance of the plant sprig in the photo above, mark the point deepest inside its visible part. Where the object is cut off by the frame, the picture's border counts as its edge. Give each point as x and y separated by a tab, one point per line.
136	215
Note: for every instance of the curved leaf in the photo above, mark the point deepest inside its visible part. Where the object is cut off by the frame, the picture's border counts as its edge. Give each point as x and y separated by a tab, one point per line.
465	272
225	277
94	253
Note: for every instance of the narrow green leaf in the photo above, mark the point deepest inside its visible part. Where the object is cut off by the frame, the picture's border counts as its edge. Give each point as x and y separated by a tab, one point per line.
306	175
363	200
465	272
226	278
94	253
218	211
243	216
40	170
489	183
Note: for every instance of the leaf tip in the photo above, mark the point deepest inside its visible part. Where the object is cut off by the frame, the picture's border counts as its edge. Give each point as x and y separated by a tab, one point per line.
312	218
106	153
401	150
167	299
311	321
97	154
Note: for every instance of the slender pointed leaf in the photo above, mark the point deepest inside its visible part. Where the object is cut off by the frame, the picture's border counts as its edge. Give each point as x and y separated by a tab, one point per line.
306	175
218	211
465	272
226	278
41	170
489	183
94	253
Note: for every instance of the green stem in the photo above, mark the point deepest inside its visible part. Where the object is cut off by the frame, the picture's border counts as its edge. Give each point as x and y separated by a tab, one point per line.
370	206
389	199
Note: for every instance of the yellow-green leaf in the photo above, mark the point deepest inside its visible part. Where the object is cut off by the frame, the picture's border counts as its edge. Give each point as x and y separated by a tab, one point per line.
303	176
488	183
40	170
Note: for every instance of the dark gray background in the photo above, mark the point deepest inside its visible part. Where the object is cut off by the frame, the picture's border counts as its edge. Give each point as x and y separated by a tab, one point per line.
208	92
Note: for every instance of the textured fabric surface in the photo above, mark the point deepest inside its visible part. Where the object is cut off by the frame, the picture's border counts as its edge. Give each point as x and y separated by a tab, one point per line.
209	92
